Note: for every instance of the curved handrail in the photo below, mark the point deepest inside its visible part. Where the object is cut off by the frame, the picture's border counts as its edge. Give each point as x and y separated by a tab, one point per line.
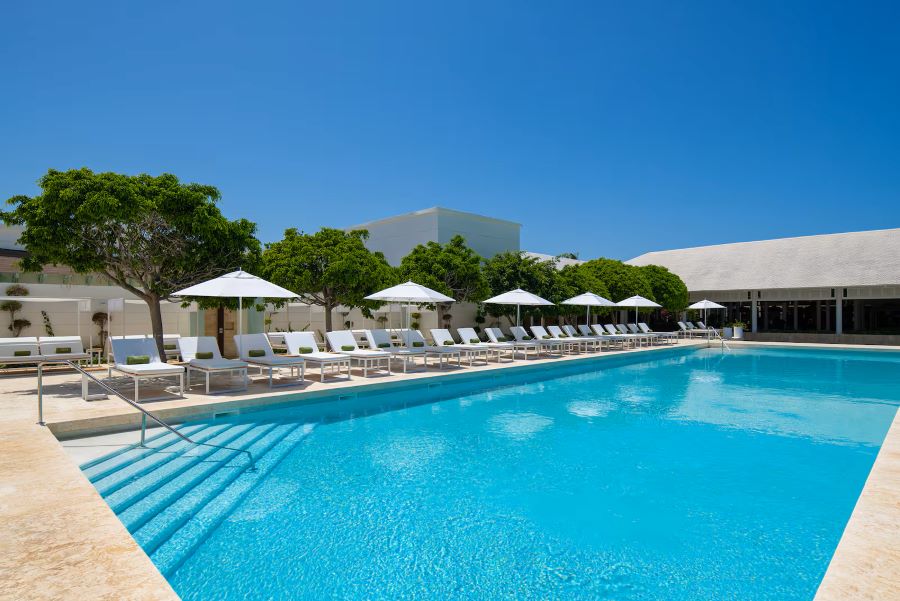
137	406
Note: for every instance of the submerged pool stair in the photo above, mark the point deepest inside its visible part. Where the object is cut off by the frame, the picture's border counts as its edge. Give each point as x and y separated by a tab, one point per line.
171	494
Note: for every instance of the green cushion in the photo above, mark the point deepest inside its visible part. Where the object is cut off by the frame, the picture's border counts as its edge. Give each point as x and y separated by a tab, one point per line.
61	350
21	353
170	347
207	355
305	350
418	344
448	343
348	347
256	352
474	340
137	359
526	337
546	336
563	335
384	345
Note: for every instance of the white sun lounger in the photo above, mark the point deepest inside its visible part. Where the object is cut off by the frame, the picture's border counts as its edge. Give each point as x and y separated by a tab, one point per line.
612	337
541	333
123	348
576	344
469	335
415	340
381	340
443	337
591	342
304	345
495	335
256	350
545	344
634	338
210	361
587	332
624	330
343	342
667	336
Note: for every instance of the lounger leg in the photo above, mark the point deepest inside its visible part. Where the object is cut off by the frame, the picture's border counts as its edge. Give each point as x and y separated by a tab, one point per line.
181	384
270	378
136	390
207	382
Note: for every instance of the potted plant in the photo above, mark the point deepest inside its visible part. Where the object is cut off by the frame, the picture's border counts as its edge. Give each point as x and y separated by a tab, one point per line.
738	330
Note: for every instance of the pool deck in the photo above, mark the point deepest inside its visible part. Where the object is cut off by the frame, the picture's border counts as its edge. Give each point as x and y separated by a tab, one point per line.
61	540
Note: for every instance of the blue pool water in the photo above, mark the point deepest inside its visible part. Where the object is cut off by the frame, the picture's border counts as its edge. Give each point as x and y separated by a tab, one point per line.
695	475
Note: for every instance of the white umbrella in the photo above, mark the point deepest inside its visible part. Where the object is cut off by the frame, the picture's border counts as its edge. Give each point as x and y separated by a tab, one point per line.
589	299
240	284
706	304
518	297
410	293
637	301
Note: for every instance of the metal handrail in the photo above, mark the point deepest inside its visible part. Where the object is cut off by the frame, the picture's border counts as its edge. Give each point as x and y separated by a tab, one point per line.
722	340
144	413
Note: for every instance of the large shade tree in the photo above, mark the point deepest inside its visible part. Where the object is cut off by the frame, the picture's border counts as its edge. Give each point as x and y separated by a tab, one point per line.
575	280
621	280
329	268
151	235
668	289
510	270
453	269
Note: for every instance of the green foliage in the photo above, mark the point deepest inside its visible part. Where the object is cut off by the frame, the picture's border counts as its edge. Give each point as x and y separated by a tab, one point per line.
151	235
17	290
668	289
621	280
329	268
511	270
575	280
48	327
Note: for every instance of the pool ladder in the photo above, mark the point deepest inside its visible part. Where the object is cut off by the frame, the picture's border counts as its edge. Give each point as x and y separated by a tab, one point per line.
144	413
722	340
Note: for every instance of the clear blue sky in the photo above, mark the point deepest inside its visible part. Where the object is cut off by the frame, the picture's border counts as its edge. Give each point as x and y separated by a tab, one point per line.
604	128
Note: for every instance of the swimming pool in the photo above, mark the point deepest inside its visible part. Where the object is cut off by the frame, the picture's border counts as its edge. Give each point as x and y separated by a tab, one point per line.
689	474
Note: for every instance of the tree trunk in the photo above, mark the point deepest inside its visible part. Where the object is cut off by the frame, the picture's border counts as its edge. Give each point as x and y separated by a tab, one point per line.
157	324
328	317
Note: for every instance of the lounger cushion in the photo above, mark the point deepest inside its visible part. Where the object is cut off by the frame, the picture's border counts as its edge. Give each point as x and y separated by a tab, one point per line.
448	343
256	352
207	355
21	353
63	349
137	359
305	350
474	340
384	345
418	344
170	347
348	347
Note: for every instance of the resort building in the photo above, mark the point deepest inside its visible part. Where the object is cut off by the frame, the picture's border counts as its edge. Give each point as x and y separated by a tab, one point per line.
827	288
396	236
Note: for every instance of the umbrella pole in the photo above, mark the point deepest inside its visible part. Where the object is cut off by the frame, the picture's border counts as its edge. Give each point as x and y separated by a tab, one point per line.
240	324
517	316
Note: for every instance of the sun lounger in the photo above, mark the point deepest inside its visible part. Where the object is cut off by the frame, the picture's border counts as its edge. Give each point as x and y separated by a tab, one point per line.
613	336
577	344
62	348
667	336
540	333
626	331
138	359
495	335
344	342
201	354
544	344
170	345
469	336
586	331
591	341
443	337
414	339
304	345
256	350
381	340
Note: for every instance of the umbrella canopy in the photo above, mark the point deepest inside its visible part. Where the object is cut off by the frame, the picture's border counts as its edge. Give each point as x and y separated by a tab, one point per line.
518	297
589	299
706	304
636	302
410	292
240	284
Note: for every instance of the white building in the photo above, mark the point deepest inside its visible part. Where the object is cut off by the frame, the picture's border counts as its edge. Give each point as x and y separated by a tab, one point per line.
810	287
396	236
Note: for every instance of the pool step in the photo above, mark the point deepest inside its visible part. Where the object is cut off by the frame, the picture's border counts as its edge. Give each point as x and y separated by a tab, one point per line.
213	506
98	468
161	526
139	479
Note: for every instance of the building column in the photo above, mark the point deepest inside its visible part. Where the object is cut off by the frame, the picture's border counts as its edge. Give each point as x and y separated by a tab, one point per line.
838	317
796	320
765	316
753	319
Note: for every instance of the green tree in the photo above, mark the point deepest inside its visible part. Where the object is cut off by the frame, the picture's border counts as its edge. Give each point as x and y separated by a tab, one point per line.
575	280
668	289
453	269
151	235
621	280
511	270
329	268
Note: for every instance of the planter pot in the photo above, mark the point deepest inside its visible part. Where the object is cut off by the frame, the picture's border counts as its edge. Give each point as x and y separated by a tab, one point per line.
739	333
729	333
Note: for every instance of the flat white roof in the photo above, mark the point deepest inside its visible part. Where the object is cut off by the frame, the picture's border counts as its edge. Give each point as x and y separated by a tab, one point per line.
870	258
432	210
